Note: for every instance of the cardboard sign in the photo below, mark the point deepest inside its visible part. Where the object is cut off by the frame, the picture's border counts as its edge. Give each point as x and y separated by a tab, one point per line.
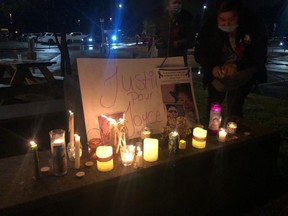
129	86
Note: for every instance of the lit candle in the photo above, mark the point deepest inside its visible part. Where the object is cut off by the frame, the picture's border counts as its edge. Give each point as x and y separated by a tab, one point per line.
77	151
182	144
199	137
36	159
173	142
71	128
127	155
139	158
145	133
150	149
104	156
231	127
222	135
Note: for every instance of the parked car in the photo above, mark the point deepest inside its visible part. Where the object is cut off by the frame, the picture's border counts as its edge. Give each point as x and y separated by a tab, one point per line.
49	38
73	37
91	39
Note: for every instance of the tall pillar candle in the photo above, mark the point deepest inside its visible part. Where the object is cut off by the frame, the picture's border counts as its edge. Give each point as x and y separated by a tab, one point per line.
77	151
104	156
34	148
199	138
150	148
71	128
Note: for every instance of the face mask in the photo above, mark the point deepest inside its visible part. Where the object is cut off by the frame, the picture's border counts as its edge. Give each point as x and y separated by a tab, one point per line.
176	8
228	28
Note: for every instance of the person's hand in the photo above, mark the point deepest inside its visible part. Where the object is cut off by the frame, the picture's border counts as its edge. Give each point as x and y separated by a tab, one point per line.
218	72
229	69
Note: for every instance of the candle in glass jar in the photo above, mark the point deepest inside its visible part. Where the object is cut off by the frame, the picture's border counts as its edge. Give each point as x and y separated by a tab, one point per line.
127	155
104	156
199	138
150	148
231	127
222	135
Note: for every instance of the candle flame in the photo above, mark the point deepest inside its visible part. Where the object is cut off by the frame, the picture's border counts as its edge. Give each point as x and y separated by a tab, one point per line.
33	144
70	112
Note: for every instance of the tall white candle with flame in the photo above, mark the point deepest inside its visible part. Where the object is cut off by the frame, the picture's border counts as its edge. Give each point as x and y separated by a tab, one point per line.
77	151
150	148
71	128
199	138
104	156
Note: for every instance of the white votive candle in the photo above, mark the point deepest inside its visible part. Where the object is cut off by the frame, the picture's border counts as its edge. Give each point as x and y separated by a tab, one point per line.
222	135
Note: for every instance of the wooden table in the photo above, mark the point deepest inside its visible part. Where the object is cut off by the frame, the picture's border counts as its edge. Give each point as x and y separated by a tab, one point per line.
222	178
19	70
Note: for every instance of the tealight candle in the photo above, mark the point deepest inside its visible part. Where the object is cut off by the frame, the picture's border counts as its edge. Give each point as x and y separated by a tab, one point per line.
36	159
231	127
104	156
199	138
150	148
222	135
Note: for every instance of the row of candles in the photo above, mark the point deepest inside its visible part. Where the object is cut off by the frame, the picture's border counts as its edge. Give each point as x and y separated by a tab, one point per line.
128	153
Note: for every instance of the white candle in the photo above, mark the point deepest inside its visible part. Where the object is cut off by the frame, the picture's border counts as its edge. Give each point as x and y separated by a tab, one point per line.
77	151
150	149
231	127
71	128
104	156
222	135
199	138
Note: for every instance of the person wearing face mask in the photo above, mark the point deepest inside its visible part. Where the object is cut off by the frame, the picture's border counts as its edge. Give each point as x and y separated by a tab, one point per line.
174	30
232	50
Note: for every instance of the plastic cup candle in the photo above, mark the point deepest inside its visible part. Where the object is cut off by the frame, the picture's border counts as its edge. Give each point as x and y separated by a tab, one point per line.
222	135
104	156
127	155
36	159
231	127
150	148
199	138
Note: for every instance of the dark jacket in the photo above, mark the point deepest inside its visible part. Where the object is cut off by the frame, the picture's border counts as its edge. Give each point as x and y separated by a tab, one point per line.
168	31
251	43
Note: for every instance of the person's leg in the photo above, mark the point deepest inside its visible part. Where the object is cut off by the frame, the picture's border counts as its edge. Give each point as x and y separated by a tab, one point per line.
236	99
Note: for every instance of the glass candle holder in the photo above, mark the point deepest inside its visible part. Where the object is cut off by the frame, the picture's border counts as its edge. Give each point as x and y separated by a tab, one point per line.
58	151
231	127
127	155
222	135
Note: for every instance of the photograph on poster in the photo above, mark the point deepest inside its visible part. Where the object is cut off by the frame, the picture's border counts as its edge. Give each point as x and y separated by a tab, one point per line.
180	94
109	126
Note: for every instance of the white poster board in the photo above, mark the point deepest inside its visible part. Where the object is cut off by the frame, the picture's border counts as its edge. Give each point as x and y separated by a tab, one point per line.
131	86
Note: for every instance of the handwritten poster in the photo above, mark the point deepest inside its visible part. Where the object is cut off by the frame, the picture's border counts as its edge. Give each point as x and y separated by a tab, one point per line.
129	86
